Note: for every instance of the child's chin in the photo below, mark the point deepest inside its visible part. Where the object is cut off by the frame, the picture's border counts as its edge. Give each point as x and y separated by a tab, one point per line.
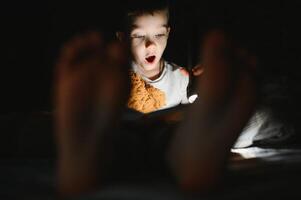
150	66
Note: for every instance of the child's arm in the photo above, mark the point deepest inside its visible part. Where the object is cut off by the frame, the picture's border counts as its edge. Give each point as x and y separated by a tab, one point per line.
90	88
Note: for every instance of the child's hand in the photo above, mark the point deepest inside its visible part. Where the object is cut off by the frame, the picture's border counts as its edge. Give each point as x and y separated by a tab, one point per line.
197	70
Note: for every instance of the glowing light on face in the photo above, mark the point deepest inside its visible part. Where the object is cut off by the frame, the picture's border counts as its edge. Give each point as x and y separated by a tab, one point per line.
149	39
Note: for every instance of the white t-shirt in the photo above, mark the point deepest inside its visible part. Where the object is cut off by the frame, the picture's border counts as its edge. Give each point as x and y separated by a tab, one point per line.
172	82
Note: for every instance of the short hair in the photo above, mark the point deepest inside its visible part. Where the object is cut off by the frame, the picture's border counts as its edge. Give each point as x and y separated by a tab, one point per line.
137	8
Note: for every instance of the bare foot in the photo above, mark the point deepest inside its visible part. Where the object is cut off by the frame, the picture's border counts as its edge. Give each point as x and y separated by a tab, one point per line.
201	146
91	87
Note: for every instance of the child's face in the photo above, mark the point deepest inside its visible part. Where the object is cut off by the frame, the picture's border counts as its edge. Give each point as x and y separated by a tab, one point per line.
148	39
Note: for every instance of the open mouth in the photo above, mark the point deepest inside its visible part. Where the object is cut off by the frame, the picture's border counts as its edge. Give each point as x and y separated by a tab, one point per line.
150	59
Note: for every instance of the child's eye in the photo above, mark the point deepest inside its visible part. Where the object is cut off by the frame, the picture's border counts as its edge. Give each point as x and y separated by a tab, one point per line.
160	35
138	36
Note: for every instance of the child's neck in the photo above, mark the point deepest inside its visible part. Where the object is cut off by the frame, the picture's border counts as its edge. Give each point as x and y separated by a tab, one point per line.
152	74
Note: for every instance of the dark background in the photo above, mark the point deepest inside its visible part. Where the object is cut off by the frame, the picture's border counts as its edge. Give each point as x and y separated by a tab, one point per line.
33	31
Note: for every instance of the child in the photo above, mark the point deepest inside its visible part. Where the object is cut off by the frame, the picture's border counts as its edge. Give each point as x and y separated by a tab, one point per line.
156	83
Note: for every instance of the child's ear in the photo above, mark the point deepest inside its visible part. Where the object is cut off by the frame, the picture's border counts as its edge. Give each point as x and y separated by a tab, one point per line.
120	36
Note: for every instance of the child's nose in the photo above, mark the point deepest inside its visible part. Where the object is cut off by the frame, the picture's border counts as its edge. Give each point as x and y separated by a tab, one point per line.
149	43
